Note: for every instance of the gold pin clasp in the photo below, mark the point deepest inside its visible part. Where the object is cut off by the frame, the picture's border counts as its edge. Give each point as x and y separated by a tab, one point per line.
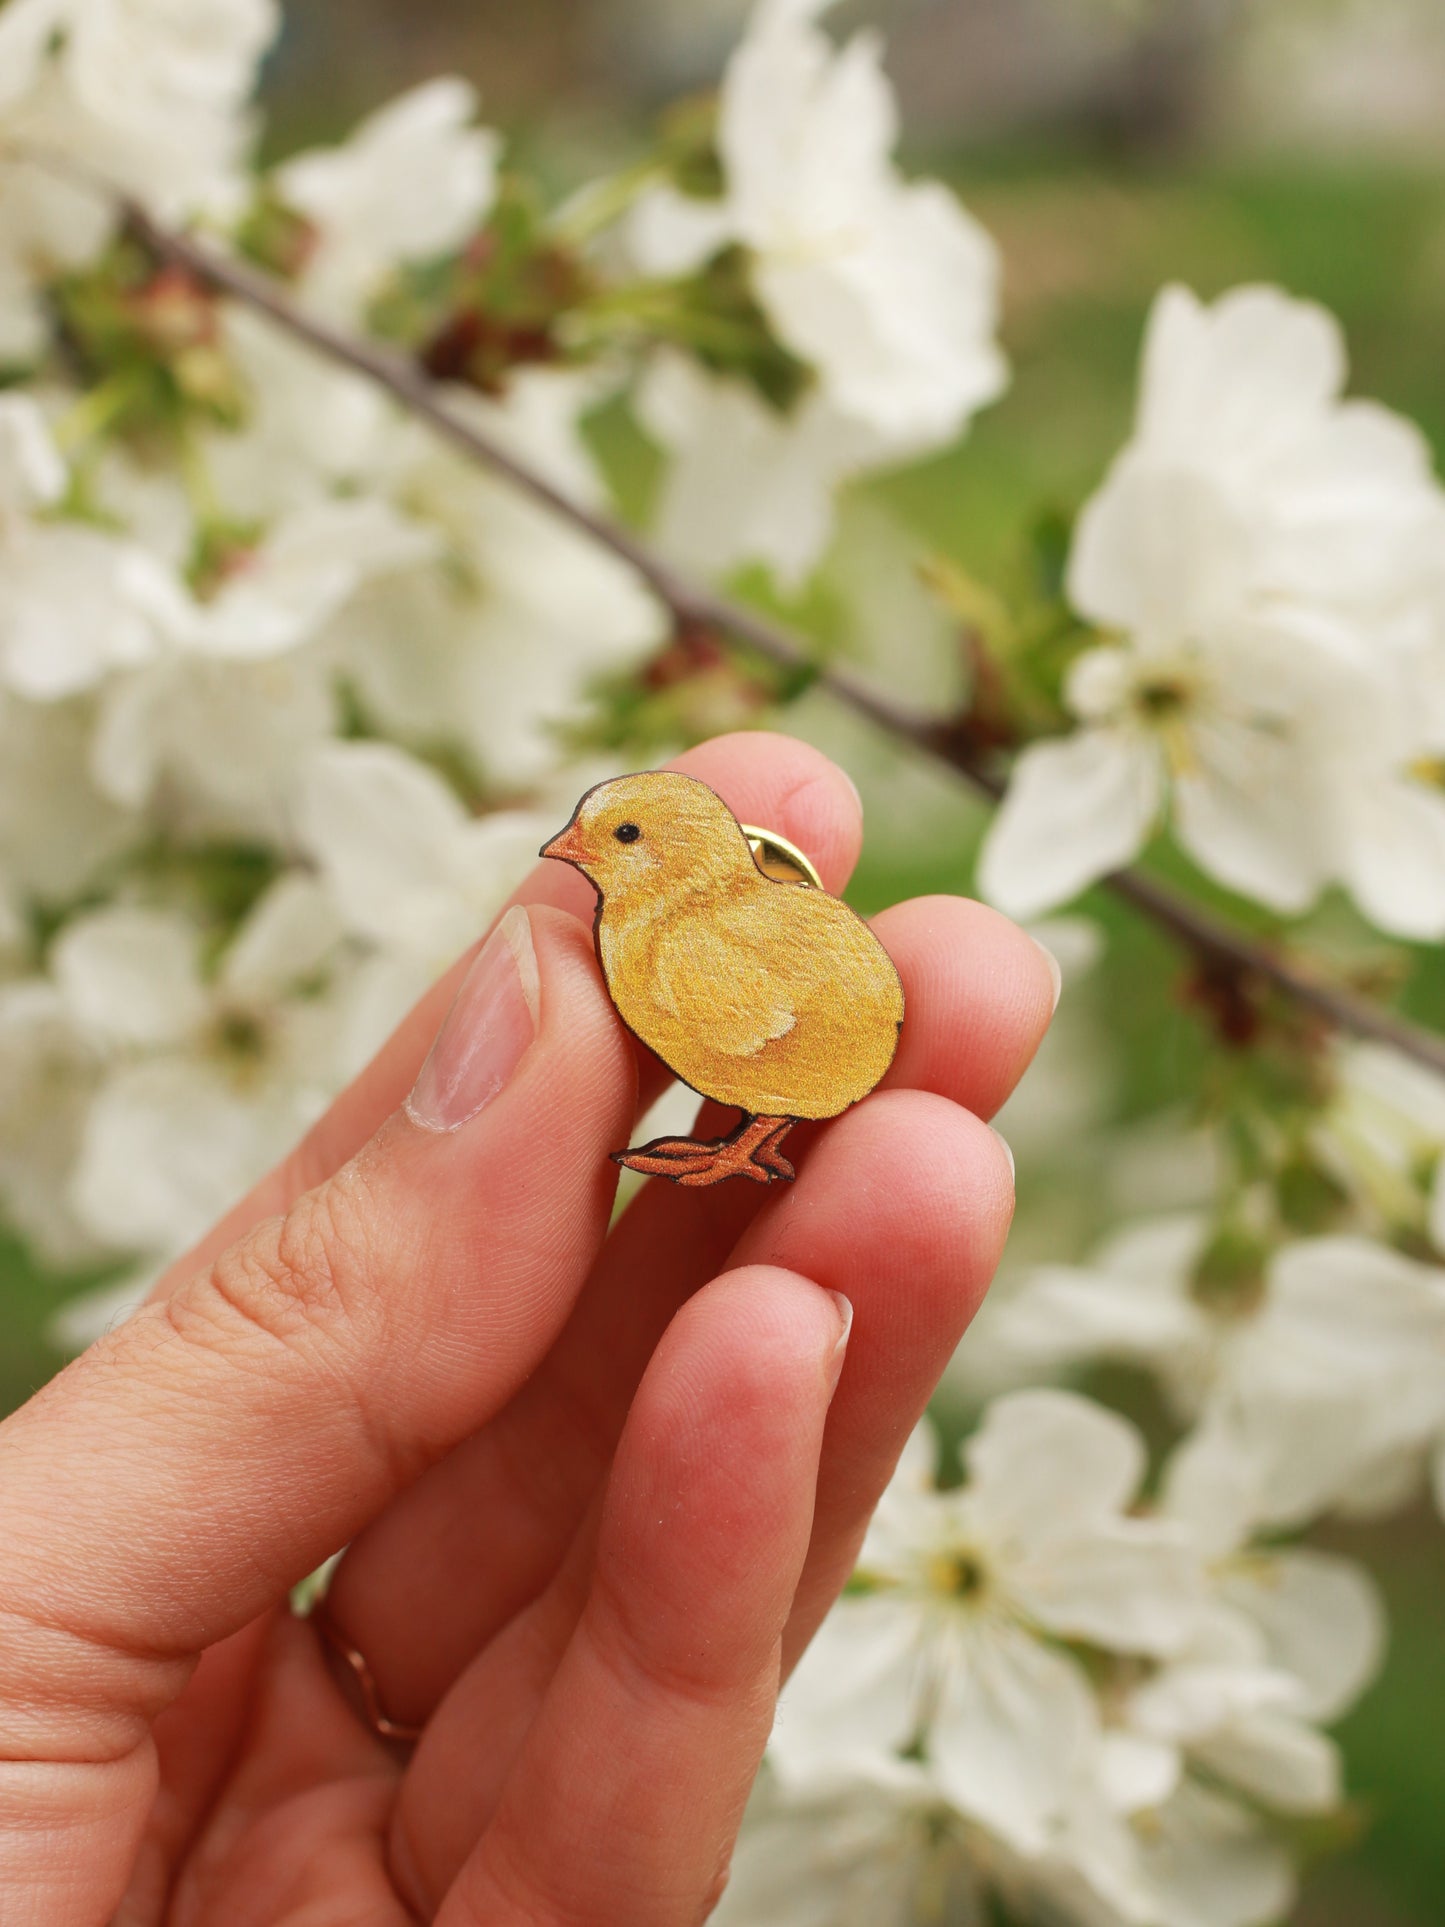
776	857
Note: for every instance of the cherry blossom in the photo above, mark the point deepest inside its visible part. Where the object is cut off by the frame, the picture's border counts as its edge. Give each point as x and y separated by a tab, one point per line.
888	288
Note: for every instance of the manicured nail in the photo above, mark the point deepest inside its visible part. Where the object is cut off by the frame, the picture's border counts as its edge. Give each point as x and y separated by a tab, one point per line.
486	1033
1007	1151
1055	970
840	1349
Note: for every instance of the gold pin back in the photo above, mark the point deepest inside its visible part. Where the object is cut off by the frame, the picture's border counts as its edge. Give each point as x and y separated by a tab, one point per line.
776	857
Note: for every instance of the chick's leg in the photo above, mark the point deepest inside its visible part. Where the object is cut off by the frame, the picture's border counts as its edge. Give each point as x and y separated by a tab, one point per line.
750	1152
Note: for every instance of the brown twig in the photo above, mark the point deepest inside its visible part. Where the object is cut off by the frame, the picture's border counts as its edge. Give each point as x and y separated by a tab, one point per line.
1218	948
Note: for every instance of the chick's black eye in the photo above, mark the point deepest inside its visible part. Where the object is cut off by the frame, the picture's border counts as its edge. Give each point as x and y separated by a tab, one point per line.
627	833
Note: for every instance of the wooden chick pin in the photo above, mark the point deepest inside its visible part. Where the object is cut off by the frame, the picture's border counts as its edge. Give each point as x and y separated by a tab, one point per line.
770	996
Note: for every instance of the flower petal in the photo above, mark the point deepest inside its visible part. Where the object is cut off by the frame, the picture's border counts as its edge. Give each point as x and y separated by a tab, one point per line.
860	1857
310	564
1076	809
1323	1621
1138	1773
1015	1726
1160	553
1392	855
1047	1464
32	472
1346	1317
745	481
413	181
170	1145
26	29
1130	1586
287	937
75	604
1246	816
853	1697
899	323
1132	1301
1231	383
1277	1759
382	825
1212	1864
132	976
671	234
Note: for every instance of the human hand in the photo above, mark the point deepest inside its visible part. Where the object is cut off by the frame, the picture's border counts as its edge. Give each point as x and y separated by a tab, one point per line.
594	1490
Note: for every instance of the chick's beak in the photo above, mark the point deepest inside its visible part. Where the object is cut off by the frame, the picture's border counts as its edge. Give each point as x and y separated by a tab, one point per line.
567	846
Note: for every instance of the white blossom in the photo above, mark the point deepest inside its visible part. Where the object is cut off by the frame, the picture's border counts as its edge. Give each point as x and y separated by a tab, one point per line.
413	181
746	481
172	75
57	830
1251	550
1231	1727
148	94
1319	1371
1311	1615
1218	704
1211	1862
497	654
74	603
890	1852
863	1857
301	574
1383	1137
410	873
223	720
310	429
49	1070
1246	394
1134	1300
215	746
210	1079
1241	1722
1335	1391
887	288
951	1641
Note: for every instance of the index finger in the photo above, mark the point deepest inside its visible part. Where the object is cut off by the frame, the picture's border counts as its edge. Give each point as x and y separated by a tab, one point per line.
770	780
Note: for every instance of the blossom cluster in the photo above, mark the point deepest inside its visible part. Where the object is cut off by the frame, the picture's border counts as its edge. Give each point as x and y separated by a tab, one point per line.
288	690
1264	559
1035	1688
290	693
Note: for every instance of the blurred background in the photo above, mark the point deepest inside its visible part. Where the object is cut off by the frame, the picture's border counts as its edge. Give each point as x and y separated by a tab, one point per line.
1109	145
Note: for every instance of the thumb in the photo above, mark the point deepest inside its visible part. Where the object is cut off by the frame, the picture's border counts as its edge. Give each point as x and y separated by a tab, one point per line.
174	1481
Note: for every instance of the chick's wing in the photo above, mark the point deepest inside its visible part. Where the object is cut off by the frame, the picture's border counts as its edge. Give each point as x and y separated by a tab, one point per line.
721	971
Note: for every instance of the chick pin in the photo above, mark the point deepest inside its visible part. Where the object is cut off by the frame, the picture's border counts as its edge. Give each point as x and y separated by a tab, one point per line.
770	996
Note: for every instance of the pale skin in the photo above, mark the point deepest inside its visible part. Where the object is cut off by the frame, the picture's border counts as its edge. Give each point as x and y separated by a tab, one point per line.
598	1490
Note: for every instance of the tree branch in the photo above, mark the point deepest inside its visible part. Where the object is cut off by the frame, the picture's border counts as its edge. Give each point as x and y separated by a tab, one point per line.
1219	950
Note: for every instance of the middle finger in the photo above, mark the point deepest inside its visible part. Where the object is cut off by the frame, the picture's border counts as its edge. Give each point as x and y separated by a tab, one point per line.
483	1532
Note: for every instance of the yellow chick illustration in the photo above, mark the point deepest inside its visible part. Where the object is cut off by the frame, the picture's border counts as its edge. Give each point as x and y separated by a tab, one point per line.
771	996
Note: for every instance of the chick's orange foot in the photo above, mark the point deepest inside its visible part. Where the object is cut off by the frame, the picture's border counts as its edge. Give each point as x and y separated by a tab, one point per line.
750	1152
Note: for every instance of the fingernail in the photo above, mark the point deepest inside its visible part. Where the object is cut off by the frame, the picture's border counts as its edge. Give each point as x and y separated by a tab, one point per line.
486	1033
857	793
1055	969
840	1349
1007	1151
